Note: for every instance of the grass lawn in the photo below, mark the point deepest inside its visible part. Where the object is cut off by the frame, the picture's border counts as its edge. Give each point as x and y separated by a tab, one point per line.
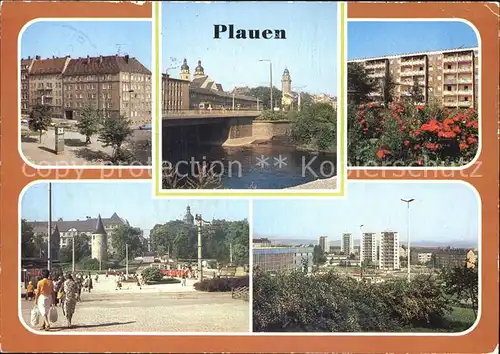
458	320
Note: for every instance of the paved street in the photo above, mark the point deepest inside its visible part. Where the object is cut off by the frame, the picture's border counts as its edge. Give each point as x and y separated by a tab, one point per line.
75	151
123	311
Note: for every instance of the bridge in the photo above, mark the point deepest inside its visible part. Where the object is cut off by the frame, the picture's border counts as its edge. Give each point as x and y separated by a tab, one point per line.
207	126
195	117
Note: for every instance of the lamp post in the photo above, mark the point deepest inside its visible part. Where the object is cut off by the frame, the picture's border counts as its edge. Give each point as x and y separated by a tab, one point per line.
270	80
126	259
199	223
49	231
408	251
299	88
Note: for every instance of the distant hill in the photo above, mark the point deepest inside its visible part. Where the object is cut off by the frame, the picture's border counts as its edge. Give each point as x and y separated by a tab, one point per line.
423	244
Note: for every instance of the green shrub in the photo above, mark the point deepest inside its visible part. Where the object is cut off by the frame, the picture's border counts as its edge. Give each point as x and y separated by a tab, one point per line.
221	284
152	274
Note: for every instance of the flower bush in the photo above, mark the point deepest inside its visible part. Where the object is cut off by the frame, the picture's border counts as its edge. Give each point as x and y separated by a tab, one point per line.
409	135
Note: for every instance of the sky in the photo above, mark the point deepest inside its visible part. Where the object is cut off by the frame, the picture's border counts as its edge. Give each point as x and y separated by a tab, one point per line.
440	212
82	38
309	52
130	200
376	38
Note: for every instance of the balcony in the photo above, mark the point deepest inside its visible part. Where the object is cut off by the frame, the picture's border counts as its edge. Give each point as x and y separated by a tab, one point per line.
413	73
375	65
450	93
450	71
464	58
465	103
413	62
465	92
465	69
450	82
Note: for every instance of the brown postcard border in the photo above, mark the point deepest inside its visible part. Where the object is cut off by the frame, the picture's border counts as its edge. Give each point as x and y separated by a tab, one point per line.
16	338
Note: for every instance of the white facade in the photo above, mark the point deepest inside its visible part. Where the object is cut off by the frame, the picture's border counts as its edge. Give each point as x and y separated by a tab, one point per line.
347	244
368	247
424	257
389	251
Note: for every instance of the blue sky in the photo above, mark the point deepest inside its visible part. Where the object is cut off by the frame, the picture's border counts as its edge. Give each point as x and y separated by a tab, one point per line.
374	38
440	212
130	200
309	52
82	38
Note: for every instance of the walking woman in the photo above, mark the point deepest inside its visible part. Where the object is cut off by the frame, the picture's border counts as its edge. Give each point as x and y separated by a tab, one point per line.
70	291
44	298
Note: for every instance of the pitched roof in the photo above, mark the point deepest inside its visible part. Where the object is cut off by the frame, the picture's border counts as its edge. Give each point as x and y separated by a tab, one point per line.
99	228
221	94
112	64
207	83
48	66
86	225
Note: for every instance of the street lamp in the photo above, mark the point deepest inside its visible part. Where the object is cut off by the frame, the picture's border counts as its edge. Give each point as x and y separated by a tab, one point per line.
270	80
299	88
408	201
126	259
49	231
199	223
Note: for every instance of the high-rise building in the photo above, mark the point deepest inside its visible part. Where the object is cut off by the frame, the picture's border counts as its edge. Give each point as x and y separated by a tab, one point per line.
347	244
323	243
389	251
450	77
368	248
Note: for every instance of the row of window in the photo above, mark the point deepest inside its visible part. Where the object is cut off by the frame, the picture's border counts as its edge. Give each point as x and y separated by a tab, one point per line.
47	85
90	96
135	87
106	105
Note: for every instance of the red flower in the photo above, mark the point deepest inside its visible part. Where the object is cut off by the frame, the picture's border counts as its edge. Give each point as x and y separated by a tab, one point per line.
463	146
417	147
420	106
420	162
370	105
406	143
457	129
471	140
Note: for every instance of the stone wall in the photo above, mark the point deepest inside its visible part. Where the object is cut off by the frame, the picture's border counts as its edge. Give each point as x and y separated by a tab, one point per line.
269	129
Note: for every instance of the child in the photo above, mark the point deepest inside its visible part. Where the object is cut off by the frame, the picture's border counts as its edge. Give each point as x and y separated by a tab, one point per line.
30	291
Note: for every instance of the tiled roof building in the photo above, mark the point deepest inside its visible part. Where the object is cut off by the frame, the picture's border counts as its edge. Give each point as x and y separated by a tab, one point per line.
115	85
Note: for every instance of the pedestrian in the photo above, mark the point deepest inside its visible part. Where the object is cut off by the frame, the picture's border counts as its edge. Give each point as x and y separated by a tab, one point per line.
44	298
79	288
30	291
90	283
138	281
97	278
70	290
183	281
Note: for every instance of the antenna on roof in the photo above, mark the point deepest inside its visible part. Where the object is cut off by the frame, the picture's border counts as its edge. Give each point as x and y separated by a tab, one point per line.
119	47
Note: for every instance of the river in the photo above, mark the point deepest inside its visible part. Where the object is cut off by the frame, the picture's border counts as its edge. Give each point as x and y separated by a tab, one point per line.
274	164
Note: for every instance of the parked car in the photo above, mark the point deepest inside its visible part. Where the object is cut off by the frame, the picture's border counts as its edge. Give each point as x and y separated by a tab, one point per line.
145	127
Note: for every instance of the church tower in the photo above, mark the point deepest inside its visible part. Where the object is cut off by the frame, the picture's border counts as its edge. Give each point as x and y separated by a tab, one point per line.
185	74
199	71
188	217
286	89
99	242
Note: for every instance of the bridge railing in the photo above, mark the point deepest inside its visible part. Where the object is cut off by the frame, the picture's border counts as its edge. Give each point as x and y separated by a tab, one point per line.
213	112
240	293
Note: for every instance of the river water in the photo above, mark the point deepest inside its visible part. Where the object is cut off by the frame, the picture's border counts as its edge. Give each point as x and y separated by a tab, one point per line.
274	164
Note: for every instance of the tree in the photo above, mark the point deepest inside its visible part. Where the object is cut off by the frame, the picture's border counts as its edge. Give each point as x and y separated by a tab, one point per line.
114	132
263	94
82	249
27	237
318	255
315	126
388	87
126	235
462	283
359	85
151	274
40	119
416	93
40	245
89	122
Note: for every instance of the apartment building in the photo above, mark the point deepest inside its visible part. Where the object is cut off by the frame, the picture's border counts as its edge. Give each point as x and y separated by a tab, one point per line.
25	68
424	258
389	251
368	248
451	77
323	243
347	244
175	94
115	85
45	83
